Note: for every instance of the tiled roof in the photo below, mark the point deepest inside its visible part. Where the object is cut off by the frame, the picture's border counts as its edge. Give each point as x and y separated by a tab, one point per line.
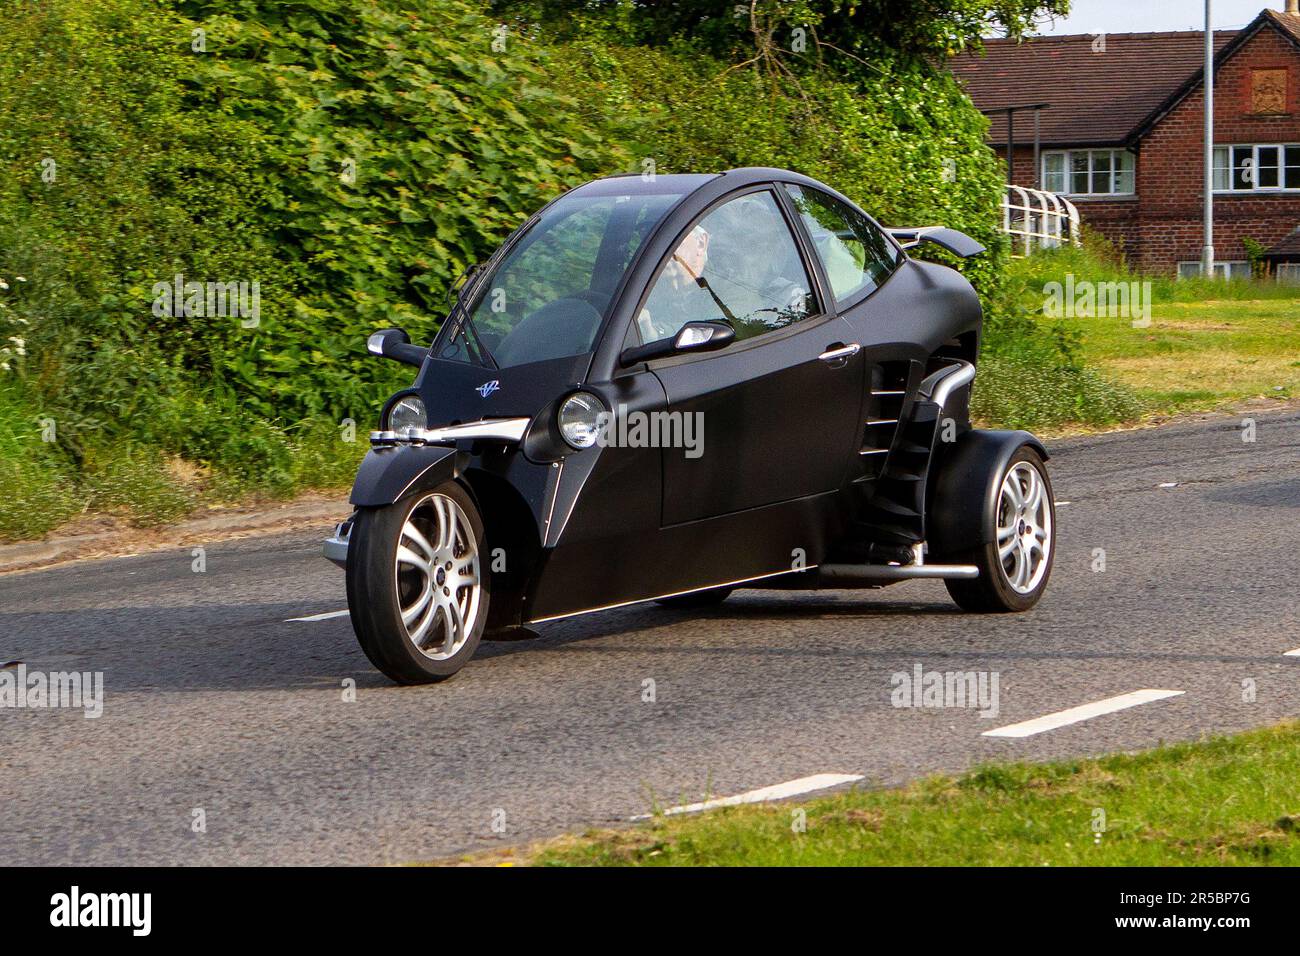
1288	23
1097	96
1290	246
1285	23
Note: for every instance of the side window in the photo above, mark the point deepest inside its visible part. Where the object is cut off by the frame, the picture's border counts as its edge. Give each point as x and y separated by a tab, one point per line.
856	255
740	265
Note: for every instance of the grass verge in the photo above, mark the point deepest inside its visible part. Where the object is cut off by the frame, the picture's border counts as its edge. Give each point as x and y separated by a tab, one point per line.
1209	344
49	482
1222	801
1197	356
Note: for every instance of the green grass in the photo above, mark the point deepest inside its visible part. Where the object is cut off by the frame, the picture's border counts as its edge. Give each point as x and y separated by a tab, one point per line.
37	491
45	484
1210	344
1026	382
1223	801
1202	355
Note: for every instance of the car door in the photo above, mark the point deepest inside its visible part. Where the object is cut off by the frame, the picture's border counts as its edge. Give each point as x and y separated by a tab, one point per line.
858	261
776	415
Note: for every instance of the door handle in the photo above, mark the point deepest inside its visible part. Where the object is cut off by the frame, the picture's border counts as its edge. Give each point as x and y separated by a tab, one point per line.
836	353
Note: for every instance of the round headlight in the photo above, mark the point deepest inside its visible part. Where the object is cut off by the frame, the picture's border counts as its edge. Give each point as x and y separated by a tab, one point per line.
407	412
579	419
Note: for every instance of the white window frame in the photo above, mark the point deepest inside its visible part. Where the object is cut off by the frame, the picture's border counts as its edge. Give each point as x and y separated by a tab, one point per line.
1226	151
1191	269
1068	163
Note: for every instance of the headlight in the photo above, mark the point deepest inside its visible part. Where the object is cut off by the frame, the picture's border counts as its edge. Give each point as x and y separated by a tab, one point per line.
579	419
407	412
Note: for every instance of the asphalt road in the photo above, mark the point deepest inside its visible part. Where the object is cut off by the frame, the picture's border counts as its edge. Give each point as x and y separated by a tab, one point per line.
215	703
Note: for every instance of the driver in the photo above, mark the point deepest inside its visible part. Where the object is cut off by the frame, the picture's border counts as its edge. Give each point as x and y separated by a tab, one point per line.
677	297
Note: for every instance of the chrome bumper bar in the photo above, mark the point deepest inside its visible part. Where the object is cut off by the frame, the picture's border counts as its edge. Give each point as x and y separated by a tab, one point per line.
496	429
509	430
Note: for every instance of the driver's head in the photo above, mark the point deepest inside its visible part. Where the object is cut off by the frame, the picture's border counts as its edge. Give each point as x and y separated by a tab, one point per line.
693	252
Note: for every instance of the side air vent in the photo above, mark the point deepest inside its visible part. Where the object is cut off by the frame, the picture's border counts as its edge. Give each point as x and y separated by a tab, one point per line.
884	408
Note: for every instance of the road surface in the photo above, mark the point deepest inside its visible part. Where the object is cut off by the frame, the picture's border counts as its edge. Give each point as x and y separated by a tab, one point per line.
228	735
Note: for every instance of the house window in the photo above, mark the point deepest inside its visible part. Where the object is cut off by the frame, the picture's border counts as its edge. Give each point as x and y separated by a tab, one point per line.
1222	270
1088	172
1257	168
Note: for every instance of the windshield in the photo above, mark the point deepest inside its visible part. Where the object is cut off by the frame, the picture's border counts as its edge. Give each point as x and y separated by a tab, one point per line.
546	299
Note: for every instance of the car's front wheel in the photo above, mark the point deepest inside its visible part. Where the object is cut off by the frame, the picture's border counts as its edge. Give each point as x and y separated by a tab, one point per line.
417	590
1015	565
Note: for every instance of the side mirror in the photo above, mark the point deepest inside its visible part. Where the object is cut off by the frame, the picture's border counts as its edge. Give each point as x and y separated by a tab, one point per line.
396	344
691	337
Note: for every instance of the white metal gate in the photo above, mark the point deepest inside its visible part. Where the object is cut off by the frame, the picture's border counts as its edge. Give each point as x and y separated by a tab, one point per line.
1036	219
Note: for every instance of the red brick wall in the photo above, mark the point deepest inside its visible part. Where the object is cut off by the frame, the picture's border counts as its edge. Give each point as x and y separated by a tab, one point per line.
1162	227
1024	165
1170	171
1116	219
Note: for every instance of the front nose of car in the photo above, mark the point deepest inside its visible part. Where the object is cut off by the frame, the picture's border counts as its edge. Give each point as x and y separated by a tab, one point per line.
458	392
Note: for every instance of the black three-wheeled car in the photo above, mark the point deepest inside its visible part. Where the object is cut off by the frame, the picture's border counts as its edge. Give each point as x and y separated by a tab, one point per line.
665	388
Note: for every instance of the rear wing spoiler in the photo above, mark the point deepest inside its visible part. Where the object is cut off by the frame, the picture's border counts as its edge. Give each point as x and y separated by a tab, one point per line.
958	243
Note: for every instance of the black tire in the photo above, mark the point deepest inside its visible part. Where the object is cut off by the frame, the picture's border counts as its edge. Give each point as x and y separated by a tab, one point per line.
993	592
376	584
696	599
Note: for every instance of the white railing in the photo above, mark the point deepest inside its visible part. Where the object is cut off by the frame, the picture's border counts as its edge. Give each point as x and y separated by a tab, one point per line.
1035	219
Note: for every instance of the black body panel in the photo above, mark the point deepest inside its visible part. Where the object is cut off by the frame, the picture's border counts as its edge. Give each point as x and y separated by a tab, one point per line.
387	474
755	401
959	519
804	459
453	392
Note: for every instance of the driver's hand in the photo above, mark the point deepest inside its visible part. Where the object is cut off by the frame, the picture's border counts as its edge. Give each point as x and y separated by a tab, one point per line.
646	326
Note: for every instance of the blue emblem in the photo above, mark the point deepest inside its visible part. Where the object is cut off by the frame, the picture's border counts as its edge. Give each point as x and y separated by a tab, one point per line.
487	388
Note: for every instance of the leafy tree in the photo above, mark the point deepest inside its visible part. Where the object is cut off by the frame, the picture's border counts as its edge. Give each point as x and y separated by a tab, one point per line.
863	28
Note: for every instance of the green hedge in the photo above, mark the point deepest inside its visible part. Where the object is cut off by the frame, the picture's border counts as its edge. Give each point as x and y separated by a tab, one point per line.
234	163
404	148
902	140
352	158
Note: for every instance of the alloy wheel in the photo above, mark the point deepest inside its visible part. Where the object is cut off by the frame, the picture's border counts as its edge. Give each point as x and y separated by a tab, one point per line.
1024	527
437	577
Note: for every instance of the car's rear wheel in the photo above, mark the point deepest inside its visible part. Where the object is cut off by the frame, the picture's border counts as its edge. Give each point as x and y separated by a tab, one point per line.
697	599
1015	566
417	590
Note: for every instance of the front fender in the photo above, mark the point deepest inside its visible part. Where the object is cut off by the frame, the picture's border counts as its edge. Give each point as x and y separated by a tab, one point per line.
964	492
386	474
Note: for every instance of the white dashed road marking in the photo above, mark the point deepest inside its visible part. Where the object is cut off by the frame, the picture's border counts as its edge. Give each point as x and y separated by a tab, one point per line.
319	617
791	788
1083	712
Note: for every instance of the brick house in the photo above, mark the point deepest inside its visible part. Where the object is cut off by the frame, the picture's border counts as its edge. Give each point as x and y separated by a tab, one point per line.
1121	127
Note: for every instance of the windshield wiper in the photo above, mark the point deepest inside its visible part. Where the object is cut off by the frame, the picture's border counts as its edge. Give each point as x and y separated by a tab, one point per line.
465	325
